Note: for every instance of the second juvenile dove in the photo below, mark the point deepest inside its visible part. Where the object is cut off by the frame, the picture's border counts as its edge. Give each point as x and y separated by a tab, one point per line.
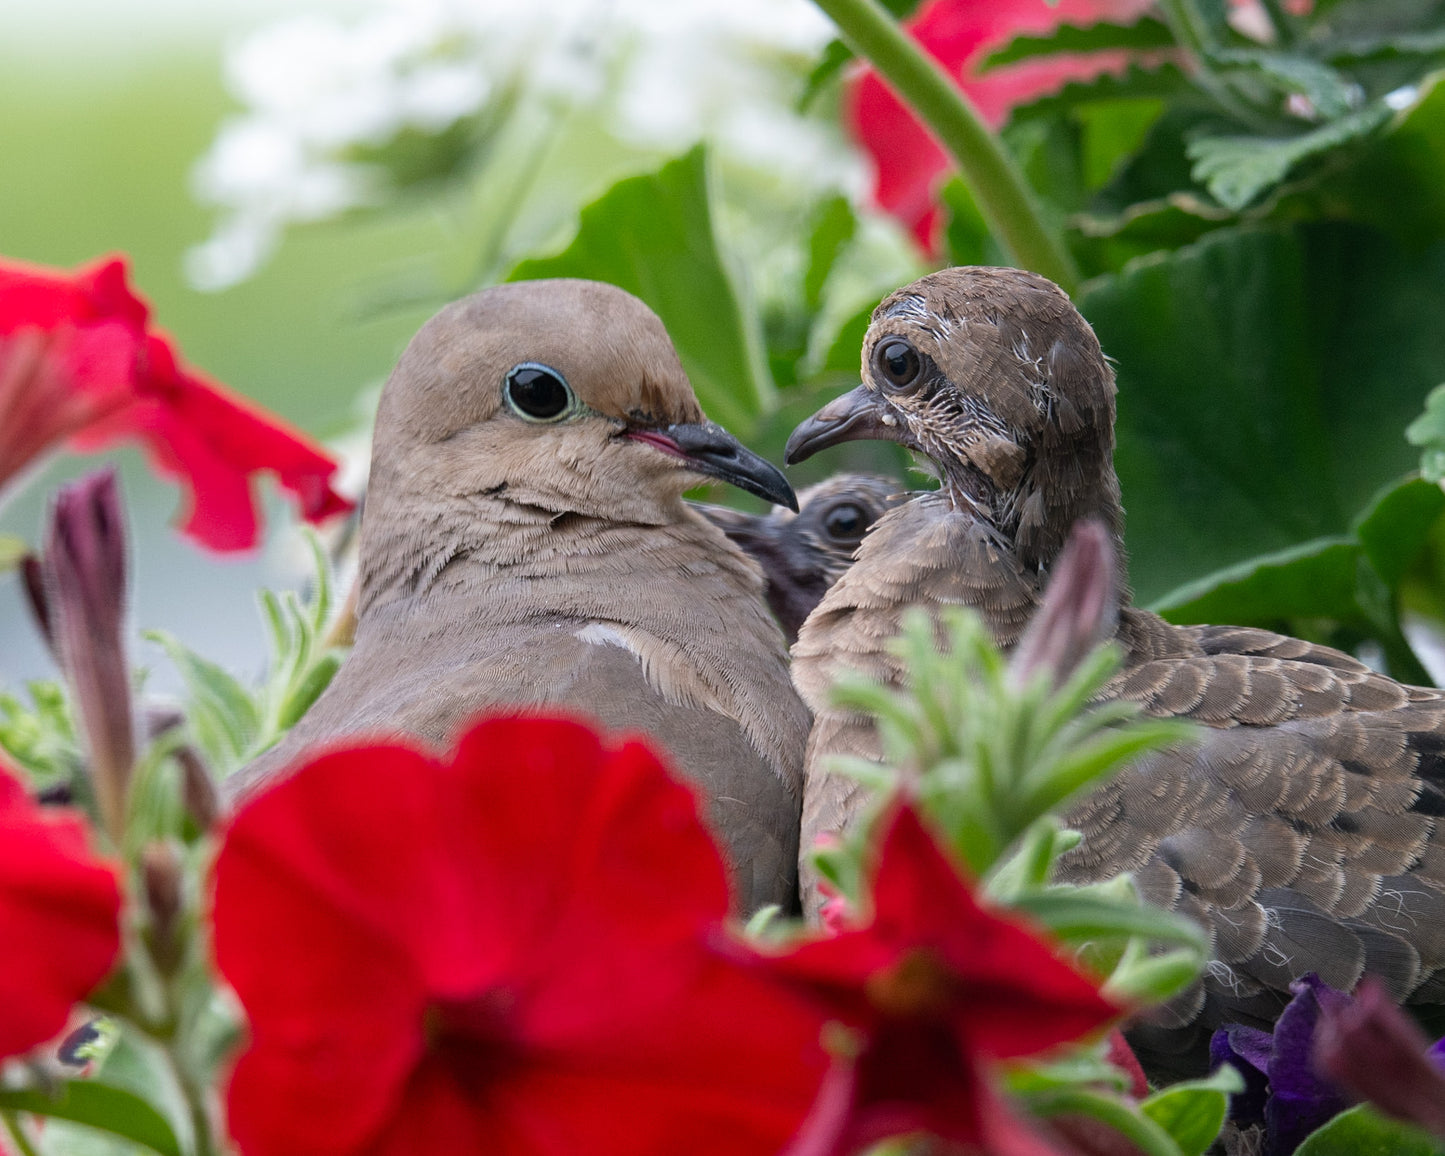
525	543
804	553
1302	830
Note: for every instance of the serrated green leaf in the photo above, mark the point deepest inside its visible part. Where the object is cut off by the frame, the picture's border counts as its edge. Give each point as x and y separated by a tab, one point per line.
1362	1131
1193	1112
1237	169
1145	35
653	236
99	1106
1332	94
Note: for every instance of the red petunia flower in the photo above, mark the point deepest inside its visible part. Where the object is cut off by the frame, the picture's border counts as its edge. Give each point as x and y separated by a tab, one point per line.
504	952
59	918
909	164
931	990
79	362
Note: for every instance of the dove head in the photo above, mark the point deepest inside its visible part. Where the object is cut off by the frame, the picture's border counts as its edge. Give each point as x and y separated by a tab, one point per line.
994	376
566	396
802	554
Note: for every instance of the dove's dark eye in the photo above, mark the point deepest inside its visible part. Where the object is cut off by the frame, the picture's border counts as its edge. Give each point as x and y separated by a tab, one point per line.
845	522
538	393
897	362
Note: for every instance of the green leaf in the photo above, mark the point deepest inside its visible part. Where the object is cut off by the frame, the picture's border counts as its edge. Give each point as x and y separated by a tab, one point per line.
1237	169
99	1106
1264	378
1331	94
833	227
221	708
1364	1132
1143	1133
1146	35
1193	1112
1312	580
307	691
1354	581
1074	914
1395	528
653	236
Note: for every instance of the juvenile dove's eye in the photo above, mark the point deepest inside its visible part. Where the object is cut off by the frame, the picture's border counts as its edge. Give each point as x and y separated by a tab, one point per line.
537	392
898	362
845	522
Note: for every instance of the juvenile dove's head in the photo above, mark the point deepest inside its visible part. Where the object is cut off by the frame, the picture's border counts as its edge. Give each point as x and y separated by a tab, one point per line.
802	554
566	396
994	376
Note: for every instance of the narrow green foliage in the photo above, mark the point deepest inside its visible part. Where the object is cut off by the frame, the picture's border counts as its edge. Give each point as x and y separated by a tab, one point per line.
40	737
992	756
230	721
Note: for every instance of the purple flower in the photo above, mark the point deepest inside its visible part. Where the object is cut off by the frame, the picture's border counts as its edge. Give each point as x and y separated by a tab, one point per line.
1327	1051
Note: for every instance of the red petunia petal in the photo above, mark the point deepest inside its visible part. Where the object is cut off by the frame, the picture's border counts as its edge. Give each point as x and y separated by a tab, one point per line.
510	946
209	440
1017	996
59	919
909	164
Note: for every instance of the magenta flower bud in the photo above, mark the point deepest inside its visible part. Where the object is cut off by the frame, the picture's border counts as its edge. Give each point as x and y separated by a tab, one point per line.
1079	610
1372	1049
85	592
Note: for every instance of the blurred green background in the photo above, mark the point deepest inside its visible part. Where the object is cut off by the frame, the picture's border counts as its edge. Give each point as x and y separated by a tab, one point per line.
102	115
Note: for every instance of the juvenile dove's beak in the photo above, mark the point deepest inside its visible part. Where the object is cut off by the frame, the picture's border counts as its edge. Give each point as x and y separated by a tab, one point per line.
855	416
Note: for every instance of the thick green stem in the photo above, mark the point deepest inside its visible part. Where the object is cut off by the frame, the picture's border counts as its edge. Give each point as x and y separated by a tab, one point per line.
195	1096
1003	195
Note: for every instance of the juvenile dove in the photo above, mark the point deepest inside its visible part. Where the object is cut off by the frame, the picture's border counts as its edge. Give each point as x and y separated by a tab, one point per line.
526	543
804	553
1301	831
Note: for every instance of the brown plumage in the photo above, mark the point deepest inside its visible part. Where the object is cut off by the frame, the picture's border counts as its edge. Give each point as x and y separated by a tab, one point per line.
525	542
1301	831
804	553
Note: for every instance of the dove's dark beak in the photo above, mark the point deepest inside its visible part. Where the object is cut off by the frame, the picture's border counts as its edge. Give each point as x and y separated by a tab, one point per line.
709	449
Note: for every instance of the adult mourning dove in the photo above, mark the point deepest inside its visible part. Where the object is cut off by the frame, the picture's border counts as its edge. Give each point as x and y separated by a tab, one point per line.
1301	830
804	553
526	543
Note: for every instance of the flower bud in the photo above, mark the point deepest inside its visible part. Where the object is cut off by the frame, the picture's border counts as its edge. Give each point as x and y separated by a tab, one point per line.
1079	609
198	789
161	879
85	592
1373	1049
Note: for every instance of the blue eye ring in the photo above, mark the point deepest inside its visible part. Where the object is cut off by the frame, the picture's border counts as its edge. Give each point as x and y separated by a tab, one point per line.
538	393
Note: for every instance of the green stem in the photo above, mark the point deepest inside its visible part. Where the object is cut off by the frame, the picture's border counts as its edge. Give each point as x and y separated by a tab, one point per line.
1007	202
17	1133
195	1096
